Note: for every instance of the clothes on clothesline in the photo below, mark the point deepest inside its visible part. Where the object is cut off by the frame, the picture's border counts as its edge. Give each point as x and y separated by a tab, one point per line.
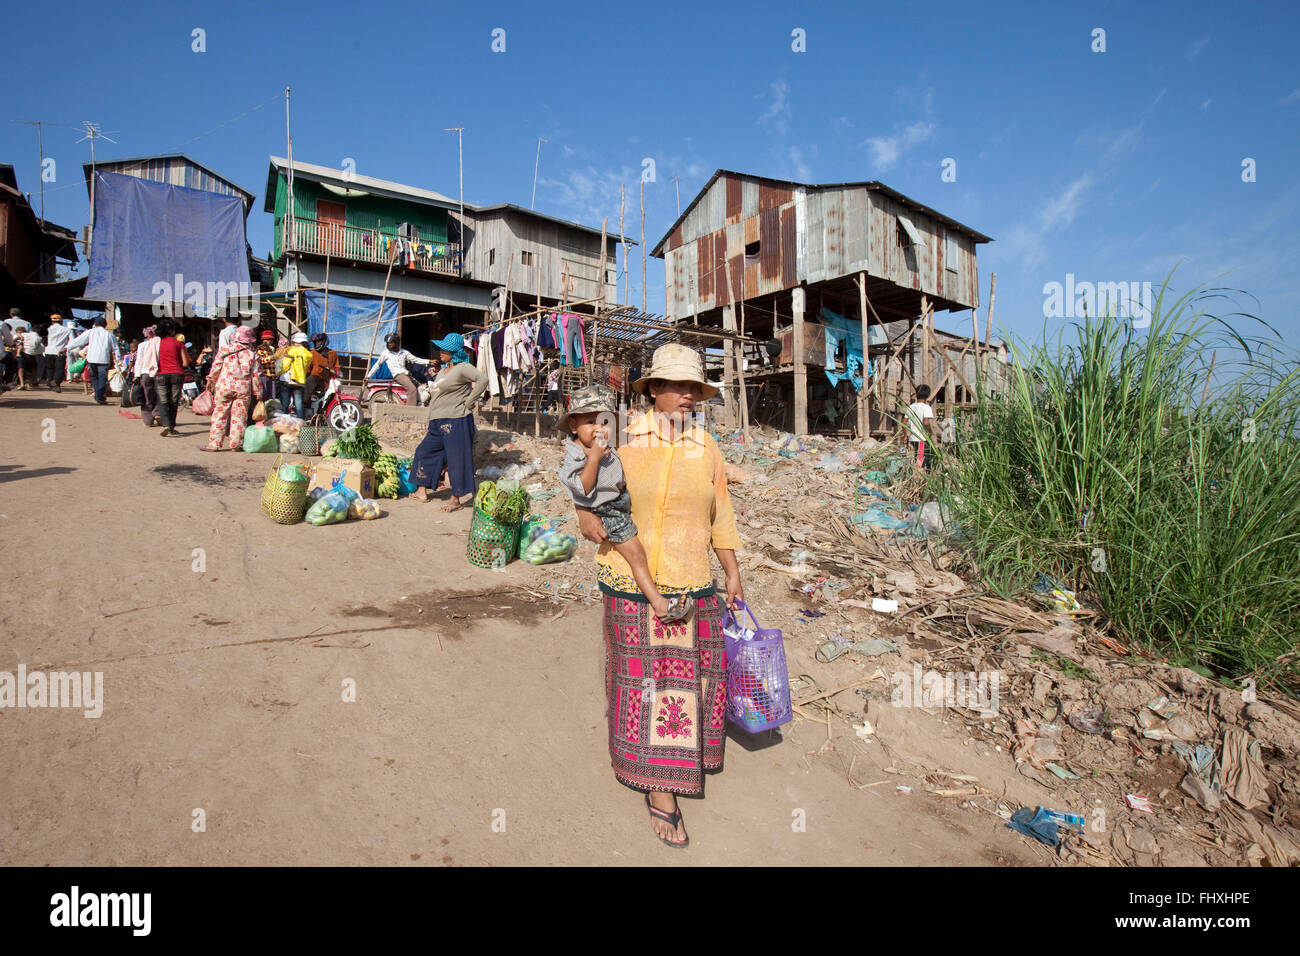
842	331
573	349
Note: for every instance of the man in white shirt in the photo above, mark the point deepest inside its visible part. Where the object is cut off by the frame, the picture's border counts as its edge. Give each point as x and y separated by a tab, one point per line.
227	336
16	322
919	415
32	357
101	351
56	348
146	372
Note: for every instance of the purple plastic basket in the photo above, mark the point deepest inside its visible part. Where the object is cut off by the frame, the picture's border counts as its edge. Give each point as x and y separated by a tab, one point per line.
758	685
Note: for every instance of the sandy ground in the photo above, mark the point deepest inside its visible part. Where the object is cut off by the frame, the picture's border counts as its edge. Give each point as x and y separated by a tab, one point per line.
474	740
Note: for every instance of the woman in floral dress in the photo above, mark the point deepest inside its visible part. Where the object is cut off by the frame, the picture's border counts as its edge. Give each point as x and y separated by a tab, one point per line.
666	683
234	381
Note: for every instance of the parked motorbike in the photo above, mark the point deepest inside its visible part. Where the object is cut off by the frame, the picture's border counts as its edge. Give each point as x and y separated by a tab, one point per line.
341	409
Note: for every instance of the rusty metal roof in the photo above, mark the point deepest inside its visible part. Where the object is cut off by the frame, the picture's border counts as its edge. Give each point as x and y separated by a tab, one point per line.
871	184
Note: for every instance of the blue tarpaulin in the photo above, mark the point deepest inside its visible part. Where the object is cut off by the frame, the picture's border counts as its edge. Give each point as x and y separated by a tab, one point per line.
351	325
155	243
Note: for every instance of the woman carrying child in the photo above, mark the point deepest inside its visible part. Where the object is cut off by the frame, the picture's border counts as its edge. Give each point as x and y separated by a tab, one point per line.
666	682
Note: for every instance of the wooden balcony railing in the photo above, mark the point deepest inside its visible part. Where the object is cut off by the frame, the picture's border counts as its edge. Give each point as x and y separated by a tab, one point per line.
321	238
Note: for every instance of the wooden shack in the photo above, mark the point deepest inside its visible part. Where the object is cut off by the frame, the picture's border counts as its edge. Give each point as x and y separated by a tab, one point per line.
786	261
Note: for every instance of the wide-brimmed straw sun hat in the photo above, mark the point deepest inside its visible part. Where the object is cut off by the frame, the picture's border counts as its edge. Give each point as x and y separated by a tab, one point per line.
676	363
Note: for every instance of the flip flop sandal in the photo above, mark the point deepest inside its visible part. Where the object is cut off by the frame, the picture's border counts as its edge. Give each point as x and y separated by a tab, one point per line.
674	819
206	448
679	610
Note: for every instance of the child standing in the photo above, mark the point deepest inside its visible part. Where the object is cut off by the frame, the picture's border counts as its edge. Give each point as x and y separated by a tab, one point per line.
593	475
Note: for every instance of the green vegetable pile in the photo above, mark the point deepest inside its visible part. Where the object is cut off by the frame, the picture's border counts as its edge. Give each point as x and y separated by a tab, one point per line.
386	474
504	501
359	443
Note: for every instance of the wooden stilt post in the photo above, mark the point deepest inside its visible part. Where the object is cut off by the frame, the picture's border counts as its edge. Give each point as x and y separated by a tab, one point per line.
798	300
864	393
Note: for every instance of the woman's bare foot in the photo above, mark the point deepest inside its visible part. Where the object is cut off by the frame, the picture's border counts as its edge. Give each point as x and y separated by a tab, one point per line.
453	504
666	804
420	494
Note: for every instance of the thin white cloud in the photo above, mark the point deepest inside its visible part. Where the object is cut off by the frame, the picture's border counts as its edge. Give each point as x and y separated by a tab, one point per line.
778	113
1205	104
1292	97
1198	47
1127	139
886	151
1028	242
798	164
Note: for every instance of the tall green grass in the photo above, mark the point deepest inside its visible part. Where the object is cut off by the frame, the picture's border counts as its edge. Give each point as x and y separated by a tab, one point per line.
1156	469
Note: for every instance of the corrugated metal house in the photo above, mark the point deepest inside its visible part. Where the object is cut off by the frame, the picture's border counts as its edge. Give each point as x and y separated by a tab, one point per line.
538	255
791	251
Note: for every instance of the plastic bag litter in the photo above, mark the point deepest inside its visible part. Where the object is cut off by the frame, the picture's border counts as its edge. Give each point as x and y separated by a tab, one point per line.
879	518
367	509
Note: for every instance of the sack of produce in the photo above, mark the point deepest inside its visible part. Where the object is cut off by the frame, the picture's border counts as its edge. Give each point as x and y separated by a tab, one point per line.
328	509
367	509
78	367
548	547
288	444
259	411
259	438
316	494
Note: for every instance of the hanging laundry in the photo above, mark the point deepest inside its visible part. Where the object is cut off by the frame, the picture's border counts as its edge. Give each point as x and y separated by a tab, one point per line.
574	348
842	331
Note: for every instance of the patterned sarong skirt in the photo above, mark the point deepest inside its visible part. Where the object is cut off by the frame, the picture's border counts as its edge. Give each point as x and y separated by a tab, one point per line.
666	689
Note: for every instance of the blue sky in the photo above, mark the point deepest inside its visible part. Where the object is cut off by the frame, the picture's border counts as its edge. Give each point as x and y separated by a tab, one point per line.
1111	166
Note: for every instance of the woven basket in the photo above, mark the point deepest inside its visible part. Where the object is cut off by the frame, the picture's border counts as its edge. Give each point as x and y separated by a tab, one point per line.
491	543
284	502
310	438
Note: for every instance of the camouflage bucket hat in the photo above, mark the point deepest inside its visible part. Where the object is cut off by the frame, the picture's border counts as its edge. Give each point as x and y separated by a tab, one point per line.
591	398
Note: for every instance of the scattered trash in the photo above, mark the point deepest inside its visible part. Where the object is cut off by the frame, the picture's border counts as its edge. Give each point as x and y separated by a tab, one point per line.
873	648
1087	721
1062	772
876	478
1161	707
1066	819
883	605
903	789
866	730
1062	597
1138	802
811	615
1036	823
879	518
1242	776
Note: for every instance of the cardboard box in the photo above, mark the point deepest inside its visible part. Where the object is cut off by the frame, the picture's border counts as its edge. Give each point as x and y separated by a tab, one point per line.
356	475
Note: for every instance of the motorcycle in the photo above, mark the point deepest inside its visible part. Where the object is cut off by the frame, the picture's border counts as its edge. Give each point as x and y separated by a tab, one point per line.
381	390
341	409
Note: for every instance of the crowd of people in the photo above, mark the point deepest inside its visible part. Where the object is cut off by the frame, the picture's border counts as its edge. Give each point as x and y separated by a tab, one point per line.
162	370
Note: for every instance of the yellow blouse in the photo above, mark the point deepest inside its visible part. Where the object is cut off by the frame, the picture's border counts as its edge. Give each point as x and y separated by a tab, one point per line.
680	505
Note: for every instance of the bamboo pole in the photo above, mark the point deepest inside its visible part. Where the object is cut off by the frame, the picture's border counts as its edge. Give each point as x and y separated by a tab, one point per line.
600	282
622	241
988	331
392	254
643	255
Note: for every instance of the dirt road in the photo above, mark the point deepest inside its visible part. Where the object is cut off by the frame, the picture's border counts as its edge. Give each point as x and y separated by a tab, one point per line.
227	644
